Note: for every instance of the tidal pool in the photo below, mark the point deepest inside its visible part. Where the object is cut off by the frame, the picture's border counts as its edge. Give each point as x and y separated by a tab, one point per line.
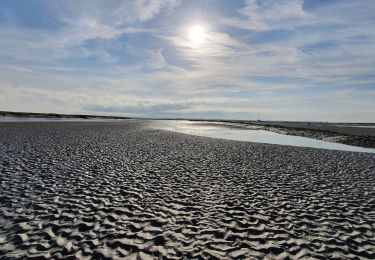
251	135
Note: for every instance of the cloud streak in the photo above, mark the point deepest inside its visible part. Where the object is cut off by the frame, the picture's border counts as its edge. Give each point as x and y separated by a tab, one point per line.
289	59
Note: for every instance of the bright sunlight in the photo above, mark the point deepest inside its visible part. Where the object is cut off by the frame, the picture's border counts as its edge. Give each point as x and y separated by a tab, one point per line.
197	34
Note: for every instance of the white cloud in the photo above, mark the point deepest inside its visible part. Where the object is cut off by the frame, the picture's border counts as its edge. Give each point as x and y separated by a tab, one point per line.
80	21
116	13
155	59
17	68
101	101
233	73
269	14
79	31
107	19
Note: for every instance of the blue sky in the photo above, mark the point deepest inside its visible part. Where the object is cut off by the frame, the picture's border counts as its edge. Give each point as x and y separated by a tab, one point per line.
287	59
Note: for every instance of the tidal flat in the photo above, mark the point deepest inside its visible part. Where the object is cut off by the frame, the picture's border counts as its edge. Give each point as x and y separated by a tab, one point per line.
126	190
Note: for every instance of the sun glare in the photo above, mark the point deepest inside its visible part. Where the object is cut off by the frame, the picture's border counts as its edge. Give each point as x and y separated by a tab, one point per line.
197	34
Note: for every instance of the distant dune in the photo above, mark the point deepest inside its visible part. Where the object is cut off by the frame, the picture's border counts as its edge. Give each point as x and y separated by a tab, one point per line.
54	115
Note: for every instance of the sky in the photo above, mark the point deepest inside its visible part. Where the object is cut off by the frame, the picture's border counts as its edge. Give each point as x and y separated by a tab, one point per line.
304	60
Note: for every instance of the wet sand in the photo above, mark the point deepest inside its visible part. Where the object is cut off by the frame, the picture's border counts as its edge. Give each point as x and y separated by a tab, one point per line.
341	128
123	190
351	134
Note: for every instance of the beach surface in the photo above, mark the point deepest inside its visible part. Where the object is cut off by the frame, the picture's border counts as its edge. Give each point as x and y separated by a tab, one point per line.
124	190
341	128
356	134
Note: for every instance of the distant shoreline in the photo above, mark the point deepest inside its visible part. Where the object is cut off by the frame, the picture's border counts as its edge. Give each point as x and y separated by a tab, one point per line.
356	134
55	115
243	121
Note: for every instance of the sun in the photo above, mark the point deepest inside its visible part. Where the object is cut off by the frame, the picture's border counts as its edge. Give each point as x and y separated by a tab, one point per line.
197	34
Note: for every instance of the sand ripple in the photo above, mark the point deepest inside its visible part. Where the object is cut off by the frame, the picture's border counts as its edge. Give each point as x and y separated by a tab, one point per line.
111	191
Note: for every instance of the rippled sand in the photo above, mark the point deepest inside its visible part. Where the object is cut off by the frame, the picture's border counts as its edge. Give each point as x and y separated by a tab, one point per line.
123	190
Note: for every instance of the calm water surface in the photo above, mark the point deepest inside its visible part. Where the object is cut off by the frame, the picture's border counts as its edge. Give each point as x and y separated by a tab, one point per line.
250	135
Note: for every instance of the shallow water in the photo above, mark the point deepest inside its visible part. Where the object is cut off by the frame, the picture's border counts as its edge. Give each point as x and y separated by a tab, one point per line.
252	135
